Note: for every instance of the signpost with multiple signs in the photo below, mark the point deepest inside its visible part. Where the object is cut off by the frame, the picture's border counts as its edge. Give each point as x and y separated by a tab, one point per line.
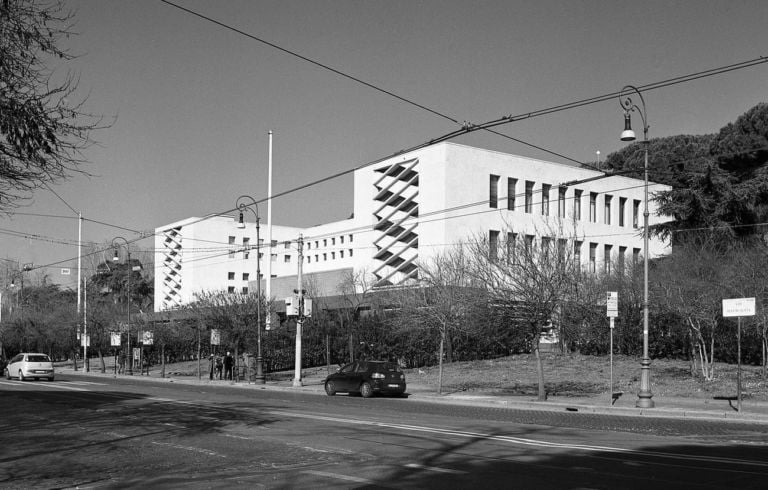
738	307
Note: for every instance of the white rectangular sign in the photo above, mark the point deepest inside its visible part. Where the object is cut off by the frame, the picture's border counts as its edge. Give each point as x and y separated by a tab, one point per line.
739	307
612	304
115	337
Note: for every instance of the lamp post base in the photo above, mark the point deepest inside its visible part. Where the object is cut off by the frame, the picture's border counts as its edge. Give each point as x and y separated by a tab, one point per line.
644	396
297	383
260	378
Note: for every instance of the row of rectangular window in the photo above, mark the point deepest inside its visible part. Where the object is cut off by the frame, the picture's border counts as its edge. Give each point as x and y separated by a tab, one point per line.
493	243
324	255
247	247
308	243
561	202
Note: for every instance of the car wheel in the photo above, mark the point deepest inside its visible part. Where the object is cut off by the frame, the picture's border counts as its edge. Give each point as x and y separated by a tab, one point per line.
21	376
7	374
50	379
366	390
330	388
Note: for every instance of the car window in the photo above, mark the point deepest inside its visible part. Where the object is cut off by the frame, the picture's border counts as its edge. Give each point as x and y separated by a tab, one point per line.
362	367
38	358
17	358
347	369
387	367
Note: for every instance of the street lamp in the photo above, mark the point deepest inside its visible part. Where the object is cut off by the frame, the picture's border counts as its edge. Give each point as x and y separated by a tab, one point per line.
116	258
242	207
628	106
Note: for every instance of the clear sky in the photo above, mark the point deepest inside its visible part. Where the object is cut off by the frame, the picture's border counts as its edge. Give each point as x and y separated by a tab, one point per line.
193	101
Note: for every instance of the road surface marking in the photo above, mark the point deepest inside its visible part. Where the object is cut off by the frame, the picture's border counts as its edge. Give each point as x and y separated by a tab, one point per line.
435	469
525	441
338	476
190	448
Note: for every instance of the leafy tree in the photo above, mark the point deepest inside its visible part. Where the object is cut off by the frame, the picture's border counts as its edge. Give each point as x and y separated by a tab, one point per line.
43	126
741	149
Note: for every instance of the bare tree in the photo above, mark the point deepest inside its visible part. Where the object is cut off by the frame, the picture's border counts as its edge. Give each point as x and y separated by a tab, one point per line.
234	313
692	283
443	300
43	125
529	276
356	293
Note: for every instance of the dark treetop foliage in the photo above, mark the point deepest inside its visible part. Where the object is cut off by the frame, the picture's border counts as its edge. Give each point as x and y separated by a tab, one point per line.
42	130
719	182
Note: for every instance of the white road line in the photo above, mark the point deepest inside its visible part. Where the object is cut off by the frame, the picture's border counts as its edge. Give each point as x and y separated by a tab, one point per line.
338	476
435	469
525	441
190	448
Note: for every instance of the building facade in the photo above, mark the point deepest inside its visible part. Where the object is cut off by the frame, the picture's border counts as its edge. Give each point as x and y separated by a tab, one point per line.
408	209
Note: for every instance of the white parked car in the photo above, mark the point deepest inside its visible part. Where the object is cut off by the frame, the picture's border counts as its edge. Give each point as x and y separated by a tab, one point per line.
29	365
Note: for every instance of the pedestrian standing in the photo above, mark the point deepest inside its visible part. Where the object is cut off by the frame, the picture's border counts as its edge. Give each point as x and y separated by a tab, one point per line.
228	363
219	367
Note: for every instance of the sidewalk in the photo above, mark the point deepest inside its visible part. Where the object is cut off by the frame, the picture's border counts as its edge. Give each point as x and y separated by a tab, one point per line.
666	407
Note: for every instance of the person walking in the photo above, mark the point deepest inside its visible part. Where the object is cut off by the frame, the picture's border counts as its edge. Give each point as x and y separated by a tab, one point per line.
228	363
219	367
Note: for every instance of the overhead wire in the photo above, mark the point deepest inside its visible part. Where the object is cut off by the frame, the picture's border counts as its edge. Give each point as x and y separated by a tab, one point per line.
357	79
467	128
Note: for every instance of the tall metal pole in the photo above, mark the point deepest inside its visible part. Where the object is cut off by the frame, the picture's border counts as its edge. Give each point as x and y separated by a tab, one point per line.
259	359
269	238
645	395
300	318
243	207
129	356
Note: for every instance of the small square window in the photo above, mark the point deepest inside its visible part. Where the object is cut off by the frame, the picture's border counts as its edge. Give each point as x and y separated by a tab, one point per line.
231	276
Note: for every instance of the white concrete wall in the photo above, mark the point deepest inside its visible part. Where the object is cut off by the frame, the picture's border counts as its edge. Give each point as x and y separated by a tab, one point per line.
453	202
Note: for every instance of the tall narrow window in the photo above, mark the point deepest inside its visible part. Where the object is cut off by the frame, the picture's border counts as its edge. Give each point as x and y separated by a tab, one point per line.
593	207
545	199
635	256
577	251
561	202
592	257
636	213
493	200
511	241
528	196
546	247
493	245
622	210
561	244
231	247
607	258
246	247
577	204
622	258
528	245
511	191
607	210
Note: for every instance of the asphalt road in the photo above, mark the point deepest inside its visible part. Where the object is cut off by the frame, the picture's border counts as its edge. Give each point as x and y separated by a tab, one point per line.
96	432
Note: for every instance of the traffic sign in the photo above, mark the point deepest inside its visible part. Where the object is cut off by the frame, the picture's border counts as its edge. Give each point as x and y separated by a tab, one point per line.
612	304
739	307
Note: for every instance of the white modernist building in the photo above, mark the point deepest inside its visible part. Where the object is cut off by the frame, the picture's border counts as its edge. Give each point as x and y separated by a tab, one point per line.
407	209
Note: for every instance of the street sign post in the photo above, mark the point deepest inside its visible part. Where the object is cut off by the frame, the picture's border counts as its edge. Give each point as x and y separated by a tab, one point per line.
738	307
612	310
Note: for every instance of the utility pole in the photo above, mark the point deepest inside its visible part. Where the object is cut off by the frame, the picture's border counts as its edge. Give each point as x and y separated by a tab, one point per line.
300	317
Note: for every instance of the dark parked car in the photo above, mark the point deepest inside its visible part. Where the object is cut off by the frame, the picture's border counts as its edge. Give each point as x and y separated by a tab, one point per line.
367	378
